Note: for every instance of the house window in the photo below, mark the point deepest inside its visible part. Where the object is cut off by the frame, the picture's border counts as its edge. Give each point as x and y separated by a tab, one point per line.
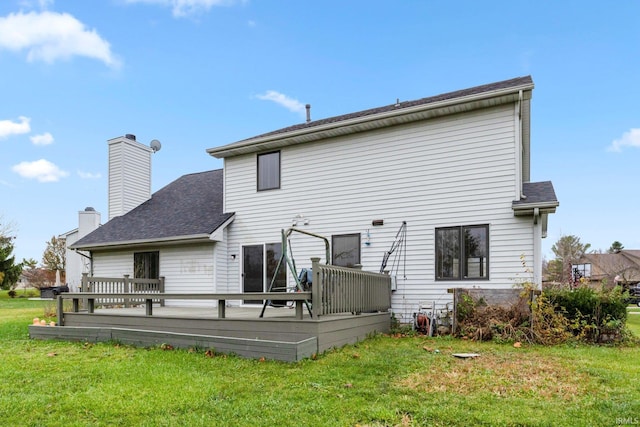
462	253
269	171
146	265
345	250
578	271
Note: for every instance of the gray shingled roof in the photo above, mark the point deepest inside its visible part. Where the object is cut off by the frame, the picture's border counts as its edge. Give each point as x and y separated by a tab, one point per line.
537	193
505	84
189	207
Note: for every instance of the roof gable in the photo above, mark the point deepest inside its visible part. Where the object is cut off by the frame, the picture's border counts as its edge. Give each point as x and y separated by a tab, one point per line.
188	208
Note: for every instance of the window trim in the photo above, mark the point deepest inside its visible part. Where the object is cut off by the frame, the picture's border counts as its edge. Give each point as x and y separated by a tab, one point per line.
258	187
359	247
461	253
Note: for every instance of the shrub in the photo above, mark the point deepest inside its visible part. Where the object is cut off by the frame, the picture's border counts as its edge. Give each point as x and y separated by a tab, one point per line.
557	315
482	322
593	315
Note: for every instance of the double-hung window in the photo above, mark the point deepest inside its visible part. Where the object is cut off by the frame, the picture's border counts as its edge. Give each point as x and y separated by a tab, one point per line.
462	253
269	171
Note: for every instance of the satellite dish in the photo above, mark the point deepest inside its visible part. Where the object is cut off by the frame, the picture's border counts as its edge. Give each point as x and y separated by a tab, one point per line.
155	145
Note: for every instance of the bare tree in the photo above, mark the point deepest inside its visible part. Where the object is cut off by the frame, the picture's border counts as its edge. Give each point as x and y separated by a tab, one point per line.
55	256
35	276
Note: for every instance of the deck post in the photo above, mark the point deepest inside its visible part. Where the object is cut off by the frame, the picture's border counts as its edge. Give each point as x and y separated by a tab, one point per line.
76	305
125	289
84	287
91	305
299	311
60	308
149	306
316	288
161	289
221	308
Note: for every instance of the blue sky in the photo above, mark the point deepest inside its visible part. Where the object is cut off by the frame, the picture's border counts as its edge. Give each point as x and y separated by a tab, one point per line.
196	74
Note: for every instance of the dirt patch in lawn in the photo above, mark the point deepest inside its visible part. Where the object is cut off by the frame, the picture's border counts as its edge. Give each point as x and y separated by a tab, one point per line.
508	375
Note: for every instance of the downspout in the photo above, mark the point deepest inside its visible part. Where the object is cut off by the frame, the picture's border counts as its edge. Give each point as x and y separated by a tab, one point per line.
519	156
537	249
89	257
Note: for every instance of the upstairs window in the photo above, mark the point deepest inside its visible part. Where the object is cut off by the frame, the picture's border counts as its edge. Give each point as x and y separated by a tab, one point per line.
345	250
462	253
269	171
146	265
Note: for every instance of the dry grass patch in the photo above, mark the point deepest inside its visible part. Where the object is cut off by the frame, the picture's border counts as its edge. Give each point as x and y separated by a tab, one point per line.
511	374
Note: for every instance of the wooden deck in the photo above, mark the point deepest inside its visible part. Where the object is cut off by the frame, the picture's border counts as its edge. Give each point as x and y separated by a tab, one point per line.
343	306
279	335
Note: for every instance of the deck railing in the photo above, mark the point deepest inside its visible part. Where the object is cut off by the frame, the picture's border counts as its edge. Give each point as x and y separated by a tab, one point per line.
121	285
334	290
348	290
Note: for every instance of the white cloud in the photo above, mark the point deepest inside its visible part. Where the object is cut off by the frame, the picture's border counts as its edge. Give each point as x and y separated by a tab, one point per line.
48	36
42	170
31	4
181	8
43	139
289	103
7	127
89	175
628	139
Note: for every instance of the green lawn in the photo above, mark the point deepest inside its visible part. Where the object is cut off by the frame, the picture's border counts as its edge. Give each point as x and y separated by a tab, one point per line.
384	381
633	320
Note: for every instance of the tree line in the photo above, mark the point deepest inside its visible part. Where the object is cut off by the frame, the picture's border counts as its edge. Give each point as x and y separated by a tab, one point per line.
53	258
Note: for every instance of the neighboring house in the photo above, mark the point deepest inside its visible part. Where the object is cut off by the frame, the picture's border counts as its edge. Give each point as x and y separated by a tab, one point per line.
621	267
454	167
78	262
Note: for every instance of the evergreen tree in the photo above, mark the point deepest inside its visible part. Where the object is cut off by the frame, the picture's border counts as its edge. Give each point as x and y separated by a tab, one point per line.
615	247
9	270
568	250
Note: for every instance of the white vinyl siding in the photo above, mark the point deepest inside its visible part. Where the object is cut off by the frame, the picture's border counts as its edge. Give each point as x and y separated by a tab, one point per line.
186	268
443	172
113	264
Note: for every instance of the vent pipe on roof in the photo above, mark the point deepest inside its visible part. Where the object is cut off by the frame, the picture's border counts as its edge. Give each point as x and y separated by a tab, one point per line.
308	107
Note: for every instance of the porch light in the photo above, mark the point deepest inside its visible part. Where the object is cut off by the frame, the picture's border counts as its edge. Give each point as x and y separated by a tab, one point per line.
299	220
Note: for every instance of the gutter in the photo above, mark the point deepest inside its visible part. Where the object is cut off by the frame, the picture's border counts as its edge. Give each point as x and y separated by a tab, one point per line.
530	208
193	238
128	243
